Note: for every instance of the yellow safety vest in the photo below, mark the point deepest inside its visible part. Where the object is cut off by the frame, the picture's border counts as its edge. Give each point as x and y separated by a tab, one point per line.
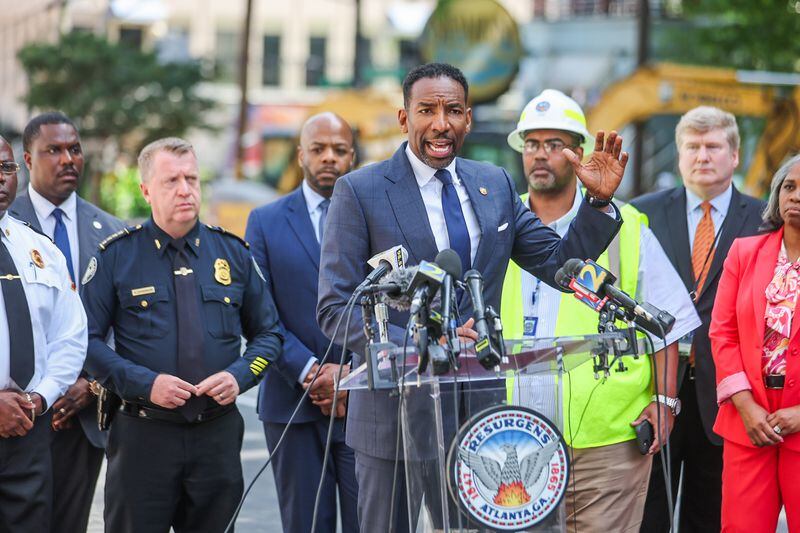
595	412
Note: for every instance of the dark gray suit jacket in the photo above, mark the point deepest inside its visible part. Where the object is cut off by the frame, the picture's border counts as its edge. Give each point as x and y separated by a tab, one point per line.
666	211
89	236
380	206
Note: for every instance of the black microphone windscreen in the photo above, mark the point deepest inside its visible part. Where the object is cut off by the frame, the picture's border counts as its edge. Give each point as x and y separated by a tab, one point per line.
562	280
449	261
573	266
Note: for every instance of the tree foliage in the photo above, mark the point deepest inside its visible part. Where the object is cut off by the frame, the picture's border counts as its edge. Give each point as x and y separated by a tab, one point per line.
113	92
745	34
120	98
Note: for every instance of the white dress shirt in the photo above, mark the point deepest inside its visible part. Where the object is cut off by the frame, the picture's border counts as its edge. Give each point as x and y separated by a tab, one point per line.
313	201
58	320
659	284
431	190
694	213
44	213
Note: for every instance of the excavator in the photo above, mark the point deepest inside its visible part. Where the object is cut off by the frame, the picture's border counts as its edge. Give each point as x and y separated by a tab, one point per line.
673	89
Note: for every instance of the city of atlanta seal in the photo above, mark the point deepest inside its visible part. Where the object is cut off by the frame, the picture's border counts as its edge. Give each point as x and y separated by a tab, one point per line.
508	468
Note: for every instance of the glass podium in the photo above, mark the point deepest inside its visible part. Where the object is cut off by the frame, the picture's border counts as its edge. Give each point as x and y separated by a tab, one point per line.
482	448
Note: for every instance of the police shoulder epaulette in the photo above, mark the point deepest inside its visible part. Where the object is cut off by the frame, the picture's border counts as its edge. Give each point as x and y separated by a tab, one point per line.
222	230
36	230
124	232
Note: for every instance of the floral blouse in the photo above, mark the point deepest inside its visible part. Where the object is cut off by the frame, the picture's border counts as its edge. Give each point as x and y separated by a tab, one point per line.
781	296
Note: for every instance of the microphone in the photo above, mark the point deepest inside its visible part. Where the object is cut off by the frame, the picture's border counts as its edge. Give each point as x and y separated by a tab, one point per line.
394	288
594	285
562	280
427	279
450	262
392	259
483	346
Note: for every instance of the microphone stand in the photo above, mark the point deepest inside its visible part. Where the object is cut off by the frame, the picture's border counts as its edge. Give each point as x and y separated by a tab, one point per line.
607	324
367	313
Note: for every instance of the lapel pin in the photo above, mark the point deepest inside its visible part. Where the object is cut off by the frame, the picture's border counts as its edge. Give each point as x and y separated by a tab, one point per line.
484	191
97	224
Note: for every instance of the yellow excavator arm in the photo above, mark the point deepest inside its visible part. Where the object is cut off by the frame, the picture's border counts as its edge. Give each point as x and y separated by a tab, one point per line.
672	89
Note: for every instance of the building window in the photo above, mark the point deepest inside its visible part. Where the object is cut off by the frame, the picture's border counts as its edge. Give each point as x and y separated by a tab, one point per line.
226	59
315	65
174	46
131	37
409	56
271	63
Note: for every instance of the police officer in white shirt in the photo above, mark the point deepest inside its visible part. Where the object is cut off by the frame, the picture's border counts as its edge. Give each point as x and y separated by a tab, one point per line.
42	347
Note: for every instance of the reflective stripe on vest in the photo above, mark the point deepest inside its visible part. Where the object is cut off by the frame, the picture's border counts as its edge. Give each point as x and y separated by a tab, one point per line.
595	412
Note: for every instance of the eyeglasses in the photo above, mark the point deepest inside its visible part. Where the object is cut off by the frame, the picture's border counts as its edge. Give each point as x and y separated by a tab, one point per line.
554	145
8	167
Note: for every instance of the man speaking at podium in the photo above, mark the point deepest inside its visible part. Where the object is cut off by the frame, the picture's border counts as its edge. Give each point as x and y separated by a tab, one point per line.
426	199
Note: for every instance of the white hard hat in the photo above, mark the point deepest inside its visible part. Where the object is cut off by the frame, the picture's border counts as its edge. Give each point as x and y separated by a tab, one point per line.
551	110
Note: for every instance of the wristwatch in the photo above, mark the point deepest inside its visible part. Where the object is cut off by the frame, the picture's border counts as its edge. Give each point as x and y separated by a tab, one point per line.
674	404
594	201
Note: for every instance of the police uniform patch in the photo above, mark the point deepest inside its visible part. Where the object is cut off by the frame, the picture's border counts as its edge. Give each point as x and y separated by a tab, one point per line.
508	468
258	270
222	271
91	270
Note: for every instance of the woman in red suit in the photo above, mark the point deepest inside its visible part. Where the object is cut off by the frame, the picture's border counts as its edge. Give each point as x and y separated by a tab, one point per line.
755	342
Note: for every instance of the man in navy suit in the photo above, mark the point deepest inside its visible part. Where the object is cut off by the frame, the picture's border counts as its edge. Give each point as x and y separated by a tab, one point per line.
50	204
426	199
284	237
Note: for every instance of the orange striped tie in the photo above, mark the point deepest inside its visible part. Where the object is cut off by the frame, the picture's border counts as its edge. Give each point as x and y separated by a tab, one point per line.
702	254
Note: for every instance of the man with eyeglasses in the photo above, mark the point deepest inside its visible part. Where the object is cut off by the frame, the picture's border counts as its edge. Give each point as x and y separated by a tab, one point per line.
43	342
609	479
50	204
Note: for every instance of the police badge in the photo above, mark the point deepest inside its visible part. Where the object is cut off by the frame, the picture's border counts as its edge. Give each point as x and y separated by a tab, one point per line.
222	272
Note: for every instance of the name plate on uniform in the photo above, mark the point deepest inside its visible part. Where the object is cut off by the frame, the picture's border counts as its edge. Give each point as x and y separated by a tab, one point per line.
141	291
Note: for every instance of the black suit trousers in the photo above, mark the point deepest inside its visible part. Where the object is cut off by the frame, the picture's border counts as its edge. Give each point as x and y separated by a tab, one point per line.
701	461
26	480
76	465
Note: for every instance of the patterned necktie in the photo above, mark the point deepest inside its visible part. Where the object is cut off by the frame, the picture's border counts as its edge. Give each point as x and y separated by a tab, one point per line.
61	238
702	253
323	208
191	366
454	219
19	321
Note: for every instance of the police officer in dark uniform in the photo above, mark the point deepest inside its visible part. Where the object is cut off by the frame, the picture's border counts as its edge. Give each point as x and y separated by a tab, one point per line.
178	294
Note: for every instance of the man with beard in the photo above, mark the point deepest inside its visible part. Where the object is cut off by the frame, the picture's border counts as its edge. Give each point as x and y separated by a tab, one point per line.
609	476
54	157
284	237
42	348
426	199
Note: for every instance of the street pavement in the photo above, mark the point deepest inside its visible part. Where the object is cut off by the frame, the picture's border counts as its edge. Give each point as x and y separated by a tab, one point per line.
260	513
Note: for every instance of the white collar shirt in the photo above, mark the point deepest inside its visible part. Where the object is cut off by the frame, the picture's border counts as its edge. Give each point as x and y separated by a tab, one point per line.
313	201
431	190
44	213
58	321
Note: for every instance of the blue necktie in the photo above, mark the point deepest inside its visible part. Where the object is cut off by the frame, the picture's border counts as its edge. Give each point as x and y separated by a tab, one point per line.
454	218
61	239
323	207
